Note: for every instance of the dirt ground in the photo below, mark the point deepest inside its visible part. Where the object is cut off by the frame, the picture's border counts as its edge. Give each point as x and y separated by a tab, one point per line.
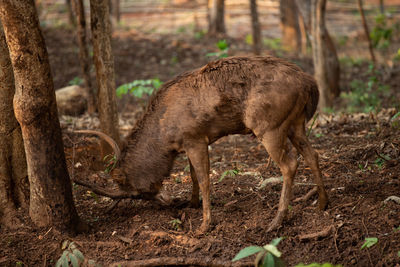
352	148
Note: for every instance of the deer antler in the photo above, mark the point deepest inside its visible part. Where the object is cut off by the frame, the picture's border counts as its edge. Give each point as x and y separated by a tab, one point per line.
109	140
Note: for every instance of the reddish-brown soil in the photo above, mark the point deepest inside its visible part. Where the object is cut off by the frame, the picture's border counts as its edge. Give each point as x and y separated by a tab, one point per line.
357	179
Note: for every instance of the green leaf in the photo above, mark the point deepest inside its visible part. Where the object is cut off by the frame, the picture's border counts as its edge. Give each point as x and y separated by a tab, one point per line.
273	250
72	246
78	254
276	241
397	114
248	251
398	253
74	260
269	260
369	242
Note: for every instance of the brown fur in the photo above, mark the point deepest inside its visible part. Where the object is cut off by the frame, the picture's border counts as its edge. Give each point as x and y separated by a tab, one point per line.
266	96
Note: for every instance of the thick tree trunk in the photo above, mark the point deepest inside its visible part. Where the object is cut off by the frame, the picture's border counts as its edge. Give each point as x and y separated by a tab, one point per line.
255	25
14	186
291	34
326	63
217	17
322	46
71	17
84	55
104	63
35	109
365	25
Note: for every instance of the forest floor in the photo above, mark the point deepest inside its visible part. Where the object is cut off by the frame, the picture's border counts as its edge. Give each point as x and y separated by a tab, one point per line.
359	158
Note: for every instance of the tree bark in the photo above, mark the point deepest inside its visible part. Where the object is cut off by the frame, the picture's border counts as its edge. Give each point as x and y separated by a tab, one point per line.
326	63
291	34
104	63
115	10
14	186
35	109
71	17
322	47
217	17
255	25
84	54
365	25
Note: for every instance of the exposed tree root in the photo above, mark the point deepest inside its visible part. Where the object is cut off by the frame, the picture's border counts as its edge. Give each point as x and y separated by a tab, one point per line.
170	261
324	233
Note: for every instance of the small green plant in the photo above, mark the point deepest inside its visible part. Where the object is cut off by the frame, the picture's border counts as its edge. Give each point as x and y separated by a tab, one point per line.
139	87
273	43
327	264
223	48
369	242
395	120
380	161
231	173
365	96
71	255
199	34
111	162
176	224
381	33
76	81
267	256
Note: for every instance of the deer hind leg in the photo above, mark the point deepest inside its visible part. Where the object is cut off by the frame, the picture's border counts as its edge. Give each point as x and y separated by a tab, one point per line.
197	152
276	144
195	202
299	139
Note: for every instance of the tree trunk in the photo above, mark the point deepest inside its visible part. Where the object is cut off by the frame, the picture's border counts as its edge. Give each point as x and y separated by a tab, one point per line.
326	63
104	63
70	12
217	17
35	109
14	186
84	55
365	25
115	10
255	25
291	35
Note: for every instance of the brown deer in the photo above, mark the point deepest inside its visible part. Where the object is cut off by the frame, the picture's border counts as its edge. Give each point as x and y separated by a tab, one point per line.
266	96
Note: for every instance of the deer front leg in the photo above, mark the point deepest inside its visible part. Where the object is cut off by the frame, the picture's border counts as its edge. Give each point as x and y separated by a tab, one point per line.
195	202
197	152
